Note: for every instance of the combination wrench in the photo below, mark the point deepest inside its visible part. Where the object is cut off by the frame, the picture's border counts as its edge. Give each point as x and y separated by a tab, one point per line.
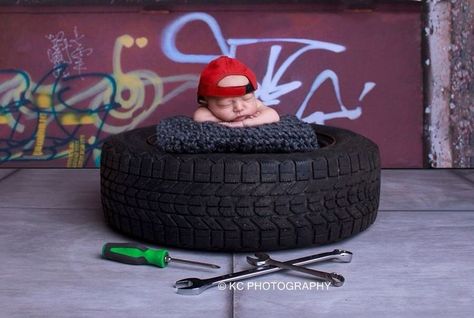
195	286
263	259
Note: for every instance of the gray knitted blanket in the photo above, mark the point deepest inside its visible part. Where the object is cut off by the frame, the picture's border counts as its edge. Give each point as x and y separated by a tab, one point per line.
182	134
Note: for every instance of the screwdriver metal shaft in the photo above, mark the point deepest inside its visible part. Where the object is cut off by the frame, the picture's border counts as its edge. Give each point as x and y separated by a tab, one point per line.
185	261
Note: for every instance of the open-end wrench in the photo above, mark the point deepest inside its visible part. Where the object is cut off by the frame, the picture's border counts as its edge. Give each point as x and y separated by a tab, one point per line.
195	286
264	259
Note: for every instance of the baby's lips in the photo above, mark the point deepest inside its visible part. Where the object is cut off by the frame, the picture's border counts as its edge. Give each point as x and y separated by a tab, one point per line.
240	118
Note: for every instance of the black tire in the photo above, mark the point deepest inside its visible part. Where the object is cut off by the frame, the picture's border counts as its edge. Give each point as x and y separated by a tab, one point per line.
240	202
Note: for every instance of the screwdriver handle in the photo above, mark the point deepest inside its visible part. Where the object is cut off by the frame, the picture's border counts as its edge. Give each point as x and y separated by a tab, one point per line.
135	254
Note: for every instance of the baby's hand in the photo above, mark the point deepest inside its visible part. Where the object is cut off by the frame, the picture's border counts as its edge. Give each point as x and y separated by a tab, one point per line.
255	115
232	123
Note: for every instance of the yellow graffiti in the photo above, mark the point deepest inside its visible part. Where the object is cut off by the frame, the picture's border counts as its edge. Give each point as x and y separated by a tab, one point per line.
71	119
141	42
76	153
134	83
138	92
44	101
40	135
87	120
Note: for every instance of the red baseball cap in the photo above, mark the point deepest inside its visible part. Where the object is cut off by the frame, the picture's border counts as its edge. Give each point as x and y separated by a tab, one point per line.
219	68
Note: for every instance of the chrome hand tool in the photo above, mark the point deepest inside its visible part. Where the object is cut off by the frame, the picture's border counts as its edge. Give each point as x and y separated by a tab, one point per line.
195	286
264	259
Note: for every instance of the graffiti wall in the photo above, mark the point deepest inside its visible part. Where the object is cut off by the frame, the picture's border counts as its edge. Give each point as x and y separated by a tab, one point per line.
69	80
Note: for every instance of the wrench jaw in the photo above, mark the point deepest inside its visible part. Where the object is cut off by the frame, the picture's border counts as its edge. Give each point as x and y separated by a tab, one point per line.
190	286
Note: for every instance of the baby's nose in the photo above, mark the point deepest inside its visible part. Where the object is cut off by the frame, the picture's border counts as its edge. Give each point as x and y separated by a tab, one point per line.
238	106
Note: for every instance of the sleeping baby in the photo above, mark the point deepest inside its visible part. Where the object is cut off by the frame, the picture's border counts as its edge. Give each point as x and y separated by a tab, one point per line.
226	96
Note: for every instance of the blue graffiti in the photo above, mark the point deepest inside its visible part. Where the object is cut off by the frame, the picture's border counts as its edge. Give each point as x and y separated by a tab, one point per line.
270	87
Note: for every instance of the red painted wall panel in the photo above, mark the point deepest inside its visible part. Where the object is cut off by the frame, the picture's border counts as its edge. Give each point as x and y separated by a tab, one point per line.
357	70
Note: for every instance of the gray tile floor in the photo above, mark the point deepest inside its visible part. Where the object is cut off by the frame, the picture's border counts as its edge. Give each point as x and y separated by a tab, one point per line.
415	261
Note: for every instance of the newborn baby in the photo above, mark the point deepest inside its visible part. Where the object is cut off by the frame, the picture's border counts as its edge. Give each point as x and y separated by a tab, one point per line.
226	96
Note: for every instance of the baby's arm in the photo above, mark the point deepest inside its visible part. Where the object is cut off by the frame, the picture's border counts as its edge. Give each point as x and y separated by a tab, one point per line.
204	114
264	115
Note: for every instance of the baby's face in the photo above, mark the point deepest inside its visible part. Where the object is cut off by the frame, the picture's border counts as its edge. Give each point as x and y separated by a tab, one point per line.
233	108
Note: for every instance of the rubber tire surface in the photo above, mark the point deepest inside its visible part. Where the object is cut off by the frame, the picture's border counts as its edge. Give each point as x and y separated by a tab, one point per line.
240	202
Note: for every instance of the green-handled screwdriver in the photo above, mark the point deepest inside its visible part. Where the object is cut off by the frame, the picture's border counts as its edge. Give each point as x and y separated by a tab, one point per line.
137	254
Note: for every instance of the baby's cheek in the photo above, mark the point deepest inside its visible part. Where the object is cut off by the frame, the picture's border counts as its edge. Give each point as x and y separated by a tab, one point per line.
224	114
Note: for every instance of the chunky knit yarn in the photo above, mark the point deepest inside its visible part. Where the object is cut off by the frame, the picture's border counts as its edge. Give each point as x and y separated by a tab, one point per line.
182	134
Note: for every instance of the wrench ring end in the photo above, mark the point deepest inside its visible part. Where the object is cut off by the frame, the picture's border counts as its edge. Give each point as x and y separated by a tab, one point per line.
343	256
337	280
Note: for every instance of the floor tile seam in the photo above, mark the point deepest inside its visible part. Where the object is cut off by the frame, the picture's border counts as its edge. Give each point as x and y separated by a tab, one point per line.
8	175
463	177
233	298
